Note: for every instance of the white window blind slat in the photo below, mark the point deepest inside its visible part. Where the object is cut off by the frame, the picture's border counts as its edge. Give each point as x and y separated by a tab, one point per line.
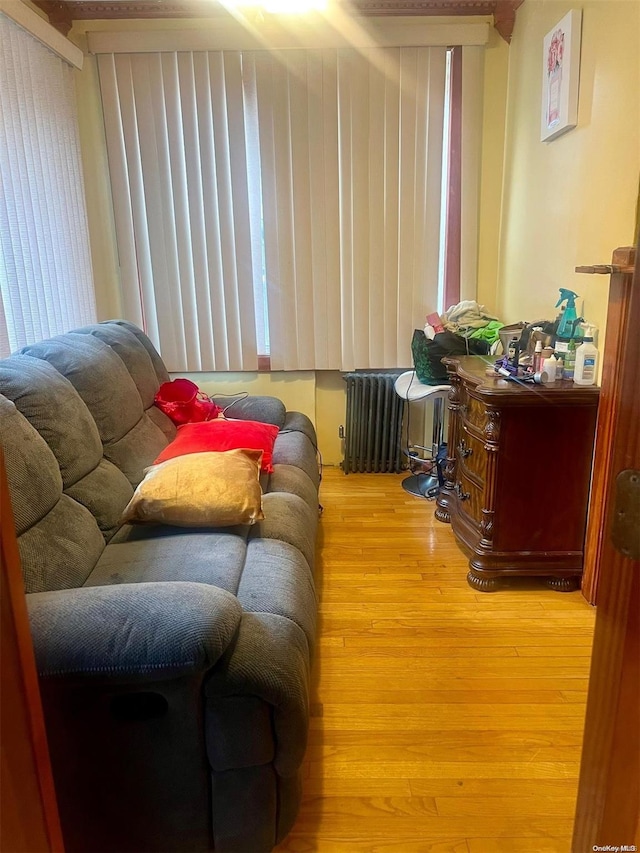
119	175
471	145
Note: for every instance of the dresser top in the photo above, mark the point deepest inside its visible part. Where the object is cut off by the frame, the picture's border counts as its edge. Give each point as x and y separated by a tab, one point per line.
492	388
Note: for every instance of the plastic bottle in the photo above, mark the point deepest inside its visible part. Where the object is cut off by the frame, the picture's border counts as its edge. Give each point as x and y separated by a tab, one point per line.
588	330
586	368
549	367
570	361
560	357
569	318
537	357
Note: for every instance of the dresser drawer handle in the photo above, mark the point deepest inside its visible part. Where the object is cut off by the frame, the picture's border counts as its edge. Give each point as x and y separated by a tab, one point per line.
463	450
462	496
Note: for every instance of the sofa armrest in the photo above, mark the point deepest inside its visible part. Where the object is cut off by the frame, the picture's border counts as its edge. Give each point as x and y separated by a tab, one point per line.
144	631
269	660
268	410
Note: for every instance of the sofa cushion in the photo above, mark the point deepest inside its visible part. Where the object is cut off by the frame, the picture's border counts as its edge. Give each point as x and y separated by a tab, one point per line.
139	553
99	376
105	491
200	490
297	449
131	440
288	518
32	471
143	363
61	550
53	406
135	356
137	449
267	410
158	364
58	539
294	481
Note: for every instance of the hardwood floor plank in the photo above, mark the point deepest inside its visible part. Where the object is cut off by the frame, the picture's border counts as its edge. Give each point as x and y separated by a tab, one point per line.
374	769
443	720
524	789
452	740
522	752
357	787
519	845
421	696
544	806
432	827
301	844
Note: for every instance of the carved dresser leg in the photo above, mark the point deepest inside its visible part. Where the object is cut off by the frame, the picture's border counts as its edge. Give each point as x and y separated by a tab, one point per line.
482	584
442	514
563	584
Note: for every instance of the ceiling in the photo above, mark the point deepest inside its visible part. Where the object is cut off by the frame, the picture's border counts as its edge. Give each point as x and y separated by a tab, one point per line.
62	13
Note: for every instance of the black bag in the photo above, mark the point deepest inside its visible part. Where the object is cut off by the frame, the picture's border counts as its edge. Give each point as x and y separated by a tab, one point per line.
428	355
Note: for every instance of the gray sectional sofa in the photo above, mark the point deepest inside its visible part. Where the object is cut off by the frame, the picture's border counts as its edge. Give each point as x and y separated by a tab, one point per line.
173	662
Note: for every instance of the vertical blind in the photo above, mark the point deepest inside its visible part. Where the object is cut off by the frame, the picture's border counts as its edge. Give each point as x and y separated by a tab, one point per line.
351	153
175	130
46	282
280	201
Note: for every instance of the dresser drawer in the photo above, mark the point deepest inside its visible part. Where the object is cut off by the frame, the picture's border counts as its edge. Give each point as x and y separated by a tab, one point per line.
470	497
471	455
474	413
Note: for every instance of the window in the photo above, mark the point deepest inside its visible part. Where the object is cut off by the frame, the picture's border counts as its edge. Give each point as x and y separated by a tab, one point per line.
286	202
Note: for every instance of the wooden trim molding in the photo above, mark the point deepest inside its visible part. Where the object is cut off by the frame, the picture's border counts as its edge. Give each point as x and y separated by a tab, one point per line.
28	807
50	35
608	806
504	17
619	329
63	12
59	14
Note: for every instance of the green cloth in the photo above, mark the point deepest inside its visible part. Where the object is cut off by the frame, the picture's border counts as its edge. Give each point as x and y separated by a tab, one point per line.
488	333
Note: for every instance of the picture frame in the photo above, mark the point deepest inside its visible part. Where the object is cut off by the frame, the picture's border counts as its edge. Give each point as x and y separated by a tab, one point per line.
560	76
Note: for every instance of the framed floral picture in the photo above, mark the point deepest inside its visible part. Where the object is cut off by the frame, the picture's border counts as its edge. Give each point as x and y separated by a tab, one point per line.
560	76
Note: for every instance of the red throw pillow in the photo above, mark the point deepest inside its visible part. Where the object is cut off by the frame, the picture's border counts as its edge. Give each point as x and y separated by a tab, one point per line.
223	435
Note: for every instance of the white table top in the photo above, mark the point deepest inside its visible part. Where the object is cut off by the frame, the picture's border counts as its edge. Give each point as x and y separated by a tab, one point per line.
409	387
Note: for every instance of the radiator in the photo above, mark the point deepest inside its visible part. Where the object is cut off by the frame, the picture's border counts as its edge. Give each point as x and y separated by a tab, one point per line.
374	424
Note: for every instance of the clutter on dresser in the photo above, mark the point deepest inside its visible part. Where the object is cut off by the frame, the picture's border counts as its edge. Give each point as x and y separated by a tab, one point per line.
543	352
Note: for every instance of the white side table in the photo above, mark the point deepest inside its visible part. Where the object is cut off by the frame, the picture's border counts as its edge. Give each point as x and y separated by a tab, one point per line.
409	387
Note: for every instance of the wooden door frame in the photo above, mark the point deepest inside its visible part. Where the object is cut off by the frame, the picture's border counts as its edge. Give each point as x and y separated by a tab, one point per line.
618	329
608	807
28	810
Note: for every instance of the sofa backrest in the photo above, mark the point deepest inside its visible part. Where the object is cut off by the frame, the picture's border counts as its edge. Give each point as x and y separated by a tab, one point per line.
59	539
87	397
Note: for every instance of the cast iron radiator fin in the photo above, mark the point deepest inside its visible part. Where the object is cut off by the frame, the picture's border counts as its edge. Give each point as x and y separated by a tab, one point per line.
374	423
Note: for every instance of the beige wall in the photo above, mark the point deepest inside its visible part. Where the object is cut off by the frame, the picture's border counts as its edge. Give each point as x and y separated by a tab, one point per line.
570	201
496	70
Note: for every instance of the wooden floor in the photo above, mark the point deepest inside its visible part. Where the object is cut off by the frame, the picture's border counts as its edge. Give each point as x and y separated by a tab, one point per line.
444	719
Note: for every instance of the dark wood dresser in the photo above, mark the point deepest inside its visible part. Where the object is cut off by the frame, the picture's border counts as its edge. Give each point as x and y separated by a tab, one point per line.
517	474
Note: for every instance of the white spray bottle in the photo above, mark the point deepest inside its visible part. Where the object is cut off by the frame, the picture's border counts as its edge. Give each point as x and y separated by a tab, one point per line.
587	356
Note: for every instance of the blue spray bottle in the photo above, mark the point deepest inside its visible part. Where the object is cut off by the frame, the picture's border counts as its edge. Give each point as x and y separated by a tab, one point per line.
569	318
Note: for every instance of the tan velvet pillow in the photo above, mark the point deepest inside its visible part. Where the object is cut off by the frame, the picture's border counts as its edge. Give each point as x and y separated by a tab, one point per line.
210	489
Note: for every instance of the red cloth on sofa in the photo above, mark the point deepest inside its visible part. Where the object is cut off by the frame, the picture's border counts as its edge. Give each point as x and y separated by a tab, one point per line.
223	434
183	402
